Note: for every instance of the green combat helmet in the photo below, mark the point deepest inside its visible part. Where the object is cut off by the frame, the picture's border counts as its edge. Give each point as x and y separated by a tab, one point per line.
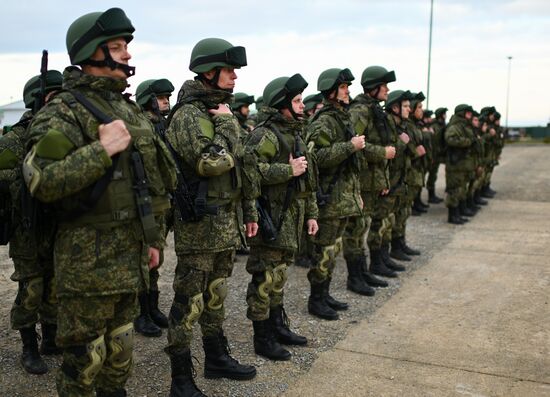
31	91
279	92
311	101
416	99
440	112
463	108
93	30
374	76
146	90
397	96
428	113
242	99
330	79
259	102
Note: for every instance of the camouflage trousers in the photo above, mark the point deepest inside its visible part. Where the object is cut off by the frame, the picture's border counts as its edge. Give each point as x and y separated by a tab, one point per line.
305	248
327	246
432	175
456	187
35	301
353	239
96	334
200	288
268	267
381	222
402	212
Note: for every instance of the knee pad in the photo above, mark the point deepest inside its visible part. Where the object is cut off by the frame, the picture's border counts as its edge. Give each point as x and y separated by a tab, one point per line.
97	352
279	278
217	291
196	307
264	282
30	293
120	342
328	255
338	245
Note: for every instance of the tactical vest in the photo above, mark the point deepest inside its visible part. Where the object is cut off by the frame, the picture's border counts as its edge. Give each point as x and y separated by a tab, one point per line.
222	189
117	204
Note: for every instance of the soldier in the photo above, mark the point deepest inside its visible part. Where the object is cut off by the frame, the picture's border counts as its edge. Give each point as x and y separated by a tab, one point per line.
96	159
459	166
32	237
368	119
205	135
398	108
474	201
338	196
438	153
154	98
312	104
241	110
415	129
287	197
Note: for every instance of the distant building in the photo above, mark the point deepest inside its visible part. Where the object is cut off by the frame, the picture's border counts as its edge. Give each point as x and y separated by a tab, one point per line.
11	113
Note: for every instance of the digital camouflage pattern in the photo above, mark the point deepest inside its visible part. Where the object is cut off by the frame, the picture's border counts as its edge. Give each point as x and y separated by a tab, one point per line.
100	254
206	248
271	145
438	152
30	250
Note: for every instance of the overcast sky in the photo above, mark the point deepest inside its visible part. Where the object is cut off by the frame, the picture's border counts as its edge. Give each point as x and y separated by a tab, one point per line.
471	42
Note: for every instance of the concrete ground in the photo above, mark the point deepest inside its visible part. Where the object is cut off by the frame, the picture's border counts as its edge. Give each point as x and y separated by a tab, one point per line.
474	320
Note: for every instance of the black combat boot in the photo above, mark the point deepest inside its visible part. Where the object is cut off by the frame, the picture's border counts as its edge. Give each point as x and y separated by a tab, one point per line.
265	343
330	300
356	283
433	198
219	364
377	265
487	192
472	205
370	278
389	262
48	346
406	249
464	210
397	251
417	209
111	393
454	216
478	199
491	191
183	376
303	261
280	325
143	324
30	359
420	202
157	316
317	303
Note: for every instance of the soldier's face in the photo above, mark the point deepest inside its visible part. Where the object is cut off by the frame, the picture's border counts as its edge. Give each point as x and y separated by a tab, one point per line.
405	109
297	107
164	103
475	122
118	48
227	79
419	111
468	115
343	93
245	110
383	92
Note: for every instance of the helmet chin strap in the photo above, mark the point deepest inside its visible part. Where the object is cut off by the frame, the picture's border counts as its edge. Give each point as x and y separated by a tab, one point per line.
111	63
288	105
214	80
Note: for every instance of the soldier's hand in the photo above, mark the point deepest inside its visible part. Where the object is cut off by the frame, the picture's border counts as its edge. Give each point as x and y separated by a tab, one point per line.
358	142
114	137
384	192
420	150
222	109
390	152
312	227
154	257
299	165
251	229
404	138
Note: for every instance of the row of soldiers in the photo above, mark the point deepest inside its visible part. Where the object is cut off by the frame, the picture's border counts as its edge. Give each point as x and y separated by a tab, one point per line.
96	181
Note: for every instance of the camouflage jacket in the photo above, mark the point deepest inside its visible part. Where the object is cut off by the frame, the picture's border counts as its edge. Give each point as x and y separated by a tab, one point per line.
70	159
192	131
368	118
330	132
271	144
415	176
438	141
400	165
459	138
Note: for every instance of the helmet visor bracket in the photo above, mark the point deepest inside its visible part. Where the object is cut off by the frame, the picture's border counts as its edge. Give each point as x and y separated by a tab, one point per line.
234	56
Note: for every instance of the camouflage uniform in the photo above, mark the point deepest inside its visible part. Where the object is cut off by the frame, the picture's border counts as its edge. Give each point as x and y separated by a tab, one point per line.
330	133
100	250
438	153
206	248
460	165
